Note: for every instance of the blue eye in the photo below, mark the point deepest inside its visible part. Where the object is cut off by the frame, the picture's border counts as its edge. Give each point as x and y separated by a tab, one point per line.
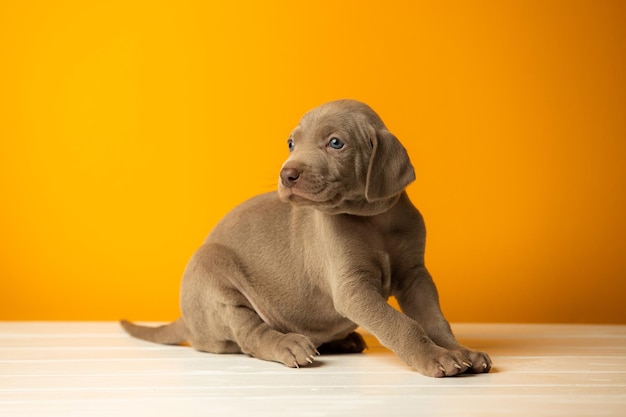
335	143
290	144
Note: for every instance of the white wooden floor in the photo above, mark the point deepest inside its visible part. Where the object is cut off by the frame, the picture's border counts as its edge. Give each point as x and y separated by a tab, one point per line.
93	369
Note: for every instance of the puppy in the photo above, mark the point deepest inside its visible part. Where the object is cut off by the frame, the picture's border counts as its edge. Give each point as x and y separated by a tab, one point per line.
291	273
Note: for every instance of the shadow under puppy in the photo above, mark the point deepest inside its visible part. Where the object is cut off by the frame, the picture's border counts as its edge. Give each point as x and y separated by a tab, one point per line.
290	272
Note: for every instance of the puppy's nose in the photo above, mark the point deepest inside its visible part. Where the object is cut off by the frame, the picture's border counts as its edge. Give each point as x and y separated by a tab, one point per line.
289	176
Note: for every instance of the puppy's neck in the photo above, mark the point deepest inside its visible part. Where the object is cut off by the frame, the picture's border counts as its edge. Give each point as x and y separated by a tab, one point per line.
362	207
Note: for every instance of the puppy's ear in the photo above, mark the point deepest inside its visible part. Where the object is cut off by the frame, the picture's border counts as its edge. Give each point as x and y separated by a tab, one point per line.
390	169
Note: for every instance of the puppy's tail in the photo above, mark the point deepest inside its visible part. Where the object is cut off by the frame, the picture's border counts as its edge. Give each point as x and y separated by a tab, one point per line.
174	333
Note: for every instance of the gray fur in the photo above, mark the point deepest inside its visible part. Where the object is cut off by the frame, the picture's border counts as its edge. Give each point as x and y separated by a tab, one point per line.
290	272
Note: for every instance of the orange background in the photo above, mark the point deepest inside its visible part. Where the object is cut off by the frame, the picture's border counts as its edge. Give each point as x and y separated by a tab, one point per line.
129	128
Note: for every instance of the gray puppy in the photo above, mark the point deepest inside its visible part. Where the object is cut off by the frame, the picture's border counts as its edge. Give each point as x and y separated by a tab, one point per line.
290	272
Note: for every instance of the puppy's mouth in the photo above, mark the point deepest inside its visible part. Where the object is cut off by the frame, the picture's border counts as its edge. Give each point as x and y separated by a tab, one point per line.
301	196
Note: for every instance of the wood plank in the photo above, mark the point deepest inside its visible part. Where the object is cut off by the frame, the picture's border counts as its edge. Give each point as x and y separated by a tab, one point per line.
54	369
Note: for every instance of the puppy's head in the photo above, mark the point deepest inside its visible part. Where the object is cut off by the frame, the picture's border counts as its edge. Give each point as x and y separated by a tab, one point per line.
344	160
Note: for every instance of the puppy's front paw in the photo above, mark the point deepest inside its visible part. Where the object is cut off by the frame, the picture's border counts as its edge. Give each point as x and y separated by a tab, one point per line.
481	362
442	362
295	350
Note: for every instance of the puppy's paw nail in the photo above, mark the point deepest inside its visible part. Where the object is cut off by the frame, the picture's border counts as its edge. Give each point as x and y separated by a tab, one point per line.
309	360
484	366
467	364
295	364
317	352
457	366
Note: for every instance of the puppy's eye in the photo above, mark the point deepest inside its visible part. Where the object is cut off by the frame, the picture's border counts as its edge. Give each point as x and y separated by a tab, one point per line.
335	143
290	144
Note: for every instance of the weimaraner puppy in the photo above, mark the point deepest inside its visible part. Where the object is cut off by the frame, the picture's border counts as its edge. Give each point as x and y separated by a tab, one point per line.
289	274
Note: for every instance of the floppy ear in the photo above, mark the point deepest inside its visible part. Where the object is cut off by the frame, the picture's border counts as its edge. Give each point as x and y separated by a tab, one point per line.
389	170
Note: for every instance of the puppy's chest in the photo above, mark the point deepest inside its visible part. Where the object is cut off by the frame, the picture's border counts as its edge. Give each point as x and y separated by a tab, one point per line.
337	248
363	250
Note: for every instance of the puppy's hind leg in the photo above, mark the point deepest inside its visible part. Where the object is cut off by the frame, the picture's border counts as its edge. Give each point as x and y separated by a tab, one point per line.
353	343
222	319
259	339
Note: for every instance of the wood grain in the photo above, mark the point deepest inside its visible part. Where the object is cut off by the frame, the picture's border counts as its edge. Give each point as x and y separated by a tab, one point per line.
94	369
